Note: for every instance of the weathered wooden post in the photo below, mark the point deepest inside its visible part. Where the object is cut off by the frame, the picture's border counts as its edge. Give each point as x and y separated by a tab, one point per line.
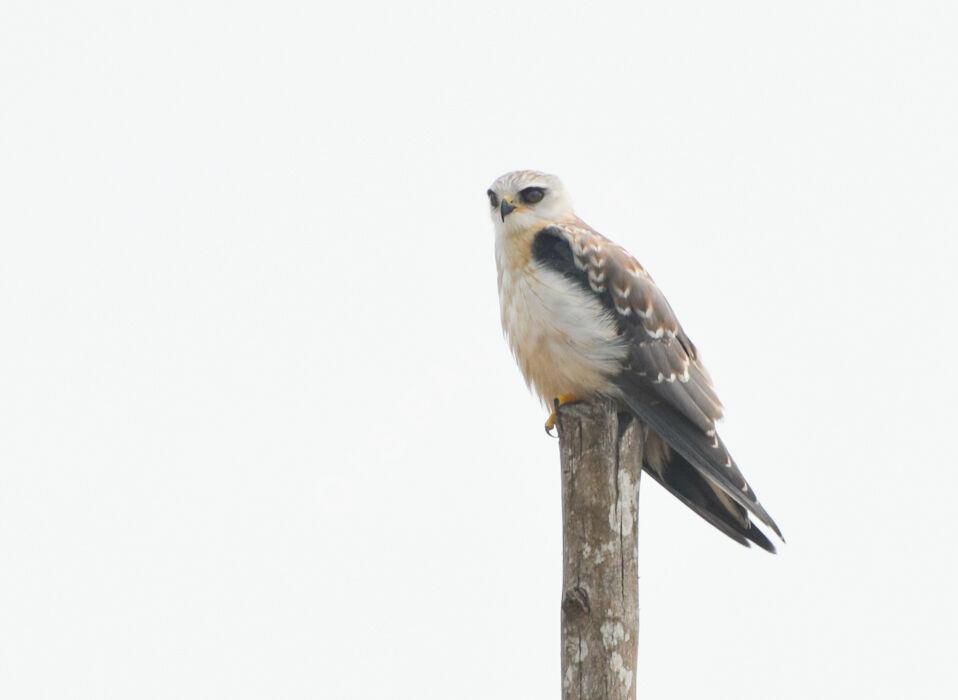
601	458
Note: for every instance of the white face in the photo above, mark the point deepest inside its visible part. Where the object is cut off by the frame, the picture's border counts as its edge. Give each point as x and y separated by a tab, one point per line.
522	199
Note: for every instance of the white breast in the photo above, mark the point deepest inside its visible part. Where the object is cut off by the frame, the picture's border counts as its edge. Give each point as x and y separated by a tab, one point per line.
564	340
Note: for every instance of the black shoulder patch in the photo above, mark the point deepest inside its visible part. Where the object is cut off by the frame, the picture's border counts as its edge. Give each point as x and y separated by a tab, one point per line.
550	249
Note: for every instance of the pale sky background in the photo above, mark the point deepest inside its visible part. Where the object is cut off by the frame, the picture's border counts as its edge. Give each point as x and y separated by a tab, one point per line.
260	436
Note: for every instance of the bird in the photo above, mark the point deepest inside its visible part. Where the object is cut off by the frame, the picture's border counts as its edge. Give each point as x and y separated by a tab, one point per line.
585	320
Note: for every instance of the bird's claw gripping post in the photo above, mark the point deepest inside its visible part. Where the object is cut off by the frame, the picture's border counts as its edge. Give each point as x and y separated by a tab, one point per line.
560	400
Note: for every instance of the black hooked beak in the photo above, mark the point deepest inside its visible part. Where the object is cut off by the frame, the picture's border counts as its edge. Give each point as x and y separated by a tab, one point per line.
505	208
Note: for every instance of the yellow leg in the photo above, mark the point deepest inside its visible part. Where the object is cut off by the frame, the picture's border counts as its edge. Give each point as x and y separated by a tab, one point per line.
560	400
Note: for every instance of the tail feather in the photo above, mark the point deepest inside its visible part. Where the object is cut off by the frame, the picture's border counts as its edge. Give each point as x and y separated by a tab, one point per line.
684	482
706	454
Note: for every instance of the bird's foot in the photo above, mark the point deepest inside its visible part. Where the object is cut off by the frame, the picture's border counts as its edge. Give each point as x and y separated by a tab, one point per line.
560	400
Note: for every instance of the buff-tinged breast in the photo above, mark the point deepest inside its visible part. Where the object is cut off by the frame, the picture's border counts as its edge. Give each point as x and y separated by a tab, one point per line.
563	339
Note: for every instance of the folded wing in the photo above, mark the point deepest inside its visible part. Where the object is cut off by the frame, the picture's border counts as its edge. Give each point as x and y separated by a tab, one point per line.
662	380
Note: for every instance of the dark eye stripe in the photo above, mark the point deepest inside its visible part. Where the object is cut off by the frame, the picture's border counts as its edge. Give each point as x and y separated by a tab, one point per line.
493	199
532	195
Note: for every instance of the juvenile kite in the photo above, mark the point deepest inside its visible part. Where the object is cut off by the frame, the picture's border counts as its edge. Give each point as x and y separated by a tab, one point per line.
585	320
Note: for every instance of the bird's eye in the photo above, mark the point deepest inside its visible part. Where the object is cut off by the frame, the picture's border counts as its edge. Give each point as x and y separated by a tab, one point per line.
532	195
493	199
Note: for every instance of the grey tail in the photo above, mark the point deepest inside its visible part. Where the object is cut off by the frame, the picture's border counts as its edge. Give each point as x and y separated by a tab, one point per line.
685	482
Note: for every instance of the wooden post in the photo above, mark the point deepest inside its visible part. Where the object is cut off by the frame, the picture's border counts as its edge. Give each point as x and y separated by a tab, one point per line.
601	457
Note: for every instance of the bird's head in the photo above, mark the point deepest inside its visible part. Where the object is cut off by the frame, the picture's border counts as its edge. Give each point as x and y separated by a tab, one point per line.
525	198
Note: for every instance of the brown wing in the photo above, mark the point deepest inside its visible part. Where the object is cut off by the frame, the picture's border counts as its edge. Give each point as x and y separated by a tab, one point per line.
662	356
662	380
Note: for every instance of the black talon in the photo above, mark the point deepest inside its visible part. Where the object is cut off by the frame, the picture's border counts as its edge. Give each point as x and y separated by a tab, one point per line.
555	413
